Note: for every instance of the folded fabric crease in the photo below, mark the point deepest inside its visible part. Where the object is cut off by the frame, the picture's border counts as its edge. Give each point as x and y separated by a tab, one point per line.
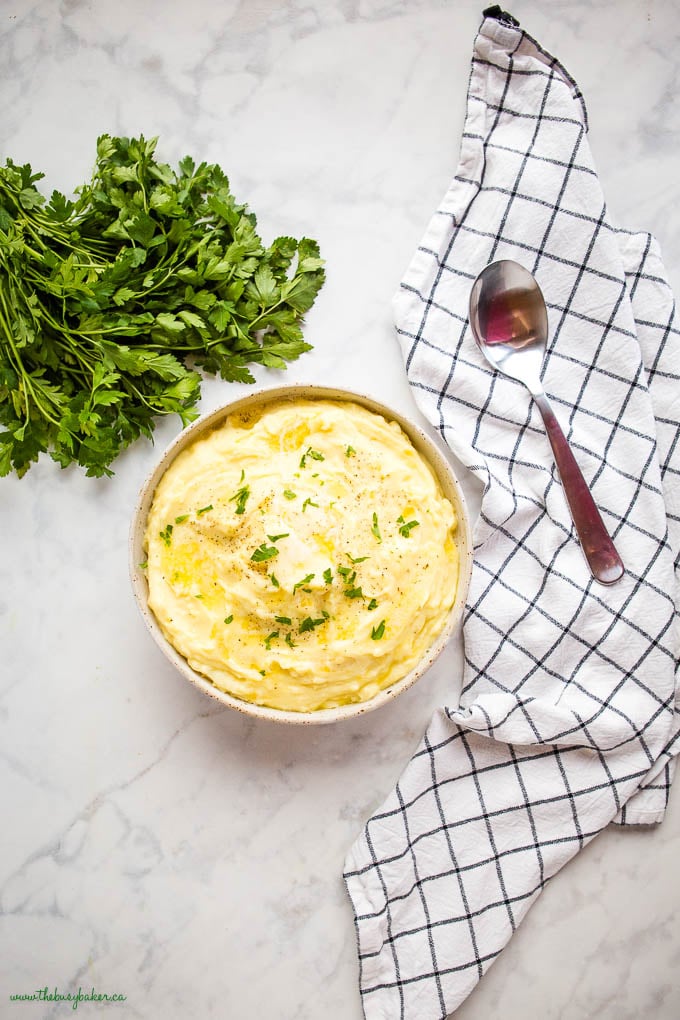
567	717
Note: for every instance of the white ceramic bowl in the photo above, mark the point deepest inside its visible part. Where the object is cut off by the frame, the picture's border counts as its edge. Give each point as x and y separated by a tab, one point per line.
450	486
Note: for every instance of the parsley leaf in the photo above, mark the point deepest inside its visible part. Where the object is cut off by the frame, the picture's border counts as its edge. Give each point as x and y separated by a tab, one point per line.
240	497
303	582
407	526
309	624
309	452
265	552
377	632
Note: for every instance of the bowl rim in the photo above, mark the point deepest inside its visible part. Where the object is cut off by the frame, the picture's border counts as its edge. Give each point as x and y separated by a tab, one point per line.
302	391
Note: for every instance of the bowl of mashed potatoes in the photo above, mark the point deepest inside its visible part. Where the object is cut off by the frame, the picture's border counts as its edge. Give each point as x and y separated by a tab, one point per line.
302	554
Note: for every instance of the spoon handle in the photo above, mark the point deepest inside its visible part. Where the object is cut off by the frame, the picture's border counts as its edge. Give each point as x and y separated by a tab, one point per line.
604	561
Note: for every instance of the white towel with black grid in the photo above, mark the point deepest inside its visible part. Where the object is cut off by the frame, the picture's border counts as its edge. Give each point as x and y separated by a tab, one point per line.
567	718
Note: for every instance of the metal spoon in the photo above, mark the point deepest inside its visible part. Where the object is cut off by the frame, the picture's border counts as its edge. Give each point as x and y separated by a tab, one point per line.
509	321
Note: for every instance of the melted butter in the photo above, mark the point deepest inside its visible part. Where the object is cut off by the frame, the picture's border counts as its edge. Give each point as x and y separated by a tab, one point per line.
278	604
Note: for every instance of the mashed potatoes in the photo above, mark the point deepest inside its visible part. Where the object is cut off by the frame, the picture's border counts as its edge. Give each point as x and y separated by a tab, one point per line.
301	556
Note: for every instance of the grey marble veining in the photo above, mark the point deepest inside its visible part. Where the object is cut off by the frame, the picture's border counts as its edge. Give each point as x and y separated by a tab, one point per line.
153	843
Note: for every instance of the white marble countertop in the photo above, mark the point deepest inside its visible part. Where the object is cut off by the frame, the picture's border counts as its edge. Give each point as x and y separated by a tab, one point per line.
154	844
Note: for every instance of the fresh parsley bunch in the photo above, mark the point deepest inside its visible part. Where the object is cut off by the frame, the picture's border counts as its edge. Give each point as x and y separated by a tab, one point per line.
109	302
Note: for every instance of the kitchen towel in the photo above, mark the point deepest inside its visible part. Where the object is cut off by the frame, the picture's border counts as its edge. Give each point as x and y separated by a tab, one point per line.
567	718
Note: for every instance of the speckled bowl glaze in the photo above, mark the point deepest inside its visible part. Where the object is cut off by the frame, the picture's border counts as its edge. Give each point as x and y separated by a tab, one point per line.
450	486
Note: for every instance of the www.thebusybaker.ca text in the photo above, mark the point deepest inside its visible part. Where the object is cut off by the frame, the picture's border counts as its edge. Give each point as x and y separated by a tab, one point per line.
45	995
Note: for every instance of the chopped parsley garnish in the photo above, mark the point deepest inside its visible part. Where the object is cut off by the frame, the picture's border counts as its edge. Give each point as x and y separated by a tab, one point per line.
264	552
274	580
229	619
354	593
350	451
375	528
308	502
309	624
289	640
143	565
284	620
309	452
181	519
357	559
303	582
270	637
289	494
328	575
204	509
240	498
198	596
166	534
406	526
372	604
377	632
275	538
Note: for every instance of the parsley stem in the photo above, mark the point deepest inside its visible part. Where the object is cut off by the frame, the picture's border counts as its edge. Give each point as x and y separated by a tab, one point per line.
29	383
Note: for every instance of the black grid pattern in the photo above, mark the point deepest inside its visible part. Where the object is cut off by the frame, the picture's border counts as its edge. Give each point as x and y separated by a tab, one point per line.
567	718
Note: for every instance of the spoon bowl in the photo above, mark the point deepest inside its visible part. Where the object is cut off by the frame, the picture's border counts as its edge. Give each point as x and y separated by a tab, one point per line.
509	321
508	317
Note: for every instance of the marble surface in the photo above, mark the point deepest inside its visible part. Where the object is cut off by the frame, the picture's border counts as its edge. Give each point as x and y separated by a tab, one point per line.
154	844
